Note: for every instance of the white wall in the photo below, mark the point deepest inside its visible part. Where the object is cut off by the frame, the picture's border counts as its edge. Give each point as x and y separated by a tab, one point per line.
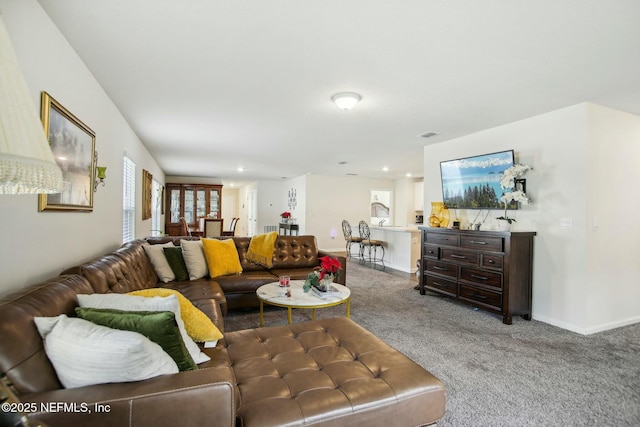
330	199
613	209
270	203
404	203
567	163
40	244
230	206
299	212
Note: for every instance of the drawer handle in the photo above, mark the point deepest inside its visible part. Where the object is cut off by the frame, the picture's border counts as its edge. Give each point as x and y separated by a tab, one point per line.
476	242
458	256
491	261
431	252
480	296
475	276
435	267
439	284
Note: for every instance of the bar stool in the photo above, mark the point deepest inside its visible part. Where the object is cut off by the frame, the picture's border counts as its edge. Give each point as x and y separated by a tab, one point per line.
367	243
350	239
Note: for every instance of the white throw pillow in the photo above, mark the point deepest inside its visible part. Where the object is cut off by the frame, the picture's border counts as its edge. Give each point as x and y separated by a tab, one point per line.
83	353
135	303
193	254
159	261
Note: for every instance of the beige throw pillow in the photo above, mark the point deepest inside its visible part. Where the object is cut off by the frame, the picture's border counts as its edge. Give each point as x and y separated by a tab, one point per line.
159	261
193	254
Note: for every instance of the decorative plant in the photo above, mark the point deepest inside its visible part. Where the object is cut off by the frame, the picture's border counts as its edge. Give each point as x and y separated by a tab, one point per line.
329	268
508	182
285	214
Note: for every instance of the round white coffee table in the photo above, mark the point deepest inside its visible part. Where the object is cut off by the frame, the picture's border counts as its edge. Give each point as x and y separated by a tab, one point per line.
273	294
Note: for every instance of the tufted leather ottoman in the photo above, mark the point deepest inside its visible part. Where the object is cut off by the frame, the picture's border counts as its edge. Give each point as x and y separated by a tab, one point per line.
329	372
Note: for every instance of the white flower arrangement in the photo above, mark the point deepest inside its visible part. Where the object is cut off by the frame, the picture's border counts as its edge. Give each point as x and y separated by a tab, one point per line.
507	182
508	177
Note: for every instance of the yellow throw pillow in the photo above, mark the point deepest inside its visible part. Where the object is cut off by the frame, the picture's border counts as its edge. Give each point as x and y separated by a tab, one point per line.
261	249
222	257
198	326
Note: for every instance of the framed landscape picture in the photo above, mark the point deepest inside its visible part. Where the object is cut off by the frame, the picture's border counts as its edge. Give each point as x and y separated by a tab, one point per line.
73	146
474	182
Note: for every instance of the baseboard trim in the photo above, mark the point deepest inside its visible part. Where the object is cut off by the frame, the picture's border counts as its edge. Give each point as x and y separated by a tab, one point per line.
613	325
587	331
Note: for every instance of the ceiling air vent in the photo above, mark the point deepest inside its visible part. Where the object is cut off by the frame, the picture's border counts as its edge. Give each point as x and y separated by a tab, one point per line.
428	134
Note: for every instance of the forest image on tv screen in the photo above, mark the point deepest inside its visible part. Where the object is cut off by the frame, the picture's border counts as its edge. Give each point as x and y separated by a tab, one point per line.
474	182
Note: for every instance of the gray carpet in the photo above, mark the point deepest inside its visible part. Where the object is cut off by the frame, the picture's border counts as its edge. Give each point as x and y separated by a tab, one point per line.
525	374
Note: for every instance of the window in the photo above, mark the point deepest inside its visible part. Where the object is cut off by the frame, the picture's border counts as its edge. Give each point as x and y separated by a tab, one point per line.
128	200
156	209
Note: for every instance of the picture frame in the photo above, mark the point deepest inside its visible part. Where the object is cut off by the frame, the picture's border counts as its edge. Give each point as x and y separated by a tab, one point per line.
474	182
162	201
147	188
73	146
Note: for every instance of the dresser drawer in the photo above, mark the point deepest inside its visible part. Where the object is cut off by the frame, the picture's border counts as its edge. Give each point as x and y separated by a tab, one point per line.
442	285
431	251
481	296
460	257
442	239
443	268
494	244
492	261
482	277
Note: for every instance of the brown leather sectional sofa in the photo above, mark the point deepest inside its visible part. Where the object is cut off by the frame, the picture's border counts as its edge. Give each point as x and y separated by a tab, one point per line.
294	256
329	372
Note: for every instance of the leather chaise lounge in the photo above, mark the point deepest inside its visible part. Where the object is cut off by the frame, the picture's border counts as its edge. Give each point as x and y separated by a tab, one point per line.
328	372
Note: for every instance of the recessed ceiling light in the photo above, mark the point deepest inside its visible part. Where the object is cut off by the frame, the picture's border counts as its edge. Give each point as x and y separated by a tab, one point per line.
408	175
385	169
428	134
240	169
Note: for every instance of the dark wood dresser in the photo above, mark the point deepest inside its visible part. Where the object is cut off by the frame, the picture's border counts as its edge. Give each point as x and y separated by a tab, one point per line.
488	269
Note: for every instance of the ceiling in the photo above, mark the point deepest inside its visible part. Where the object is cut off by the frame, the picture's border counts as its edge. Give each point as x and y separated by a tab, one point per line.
210	86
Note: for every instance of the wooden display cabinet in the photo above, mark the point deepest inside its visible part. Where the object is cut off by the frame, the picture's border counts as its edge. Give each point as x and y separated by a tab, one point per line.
191	201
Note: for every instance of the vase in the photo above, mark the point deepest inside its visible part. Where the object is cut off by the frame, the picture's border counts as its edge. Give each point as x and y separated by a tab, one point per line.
439	215
504	225
324	284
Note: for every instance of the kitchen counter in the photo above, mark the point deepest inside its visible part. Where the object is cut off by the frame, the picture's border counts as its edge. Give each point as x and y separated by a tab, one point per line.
396	228
401	244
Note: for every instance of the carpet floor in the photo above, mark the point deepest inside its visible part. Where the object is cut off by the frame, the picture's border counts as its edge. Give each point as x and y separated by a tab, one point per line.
526	374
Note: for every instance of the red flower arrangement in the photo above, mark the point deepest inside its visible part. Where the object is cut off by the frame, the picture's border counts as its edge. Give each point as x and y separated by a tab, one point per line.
286	214
329	268
329	265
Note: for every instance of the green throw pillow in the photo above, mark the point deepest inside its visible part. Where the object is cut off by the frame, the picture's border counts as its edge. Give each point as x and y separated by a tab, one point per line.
159	326
176	262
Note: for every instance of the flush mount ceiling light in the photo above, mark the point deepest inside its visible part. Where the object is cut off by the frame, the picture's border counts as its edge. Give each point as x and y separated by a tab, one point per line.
346	100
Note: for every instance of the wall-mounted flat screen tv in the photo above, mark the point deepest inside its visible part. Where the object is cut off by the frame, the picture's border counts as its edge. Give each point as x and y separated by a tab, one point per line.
474	182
